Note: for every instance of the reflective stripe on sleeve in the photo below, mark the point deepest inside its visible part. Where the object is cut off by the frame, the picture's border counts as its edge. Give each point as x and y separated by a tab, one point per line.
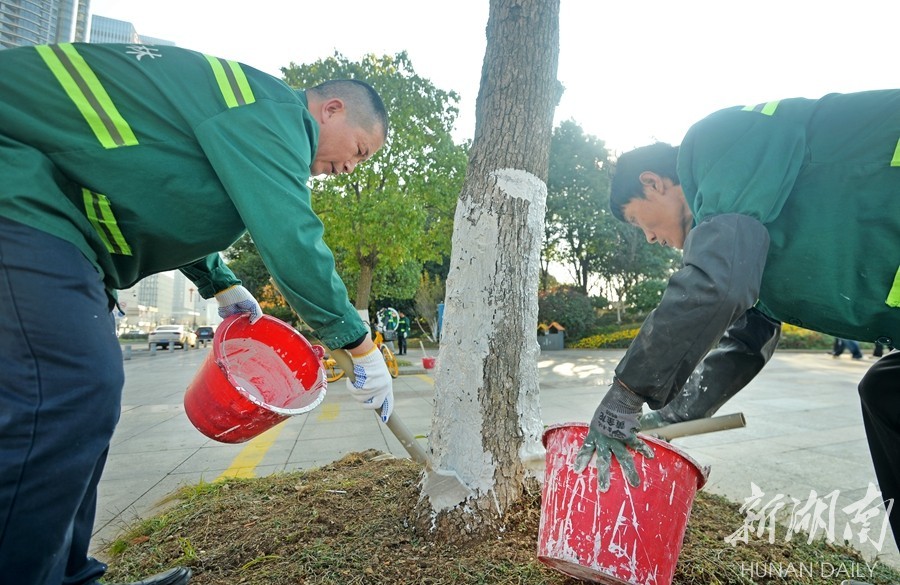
767	108
893	298
100	214
87	93
232	82
895	162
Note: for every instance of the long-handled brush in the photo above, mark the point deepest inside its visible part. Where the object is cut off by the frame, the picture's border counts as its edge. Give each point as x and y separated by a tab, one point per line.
444	487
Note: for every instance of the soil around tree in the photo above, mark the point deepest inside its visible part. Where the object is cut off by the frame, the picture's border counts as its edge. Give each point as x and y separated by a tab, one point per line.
349	522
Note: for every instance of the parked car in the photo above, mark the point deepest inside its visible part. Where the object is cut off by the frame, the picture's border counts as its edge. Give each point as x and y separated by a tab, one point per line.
133	334
174	334
205	334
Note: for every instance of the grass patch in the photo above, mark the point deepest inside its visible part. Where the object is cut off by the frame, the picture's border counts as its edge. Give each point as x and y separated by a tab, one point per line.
348	523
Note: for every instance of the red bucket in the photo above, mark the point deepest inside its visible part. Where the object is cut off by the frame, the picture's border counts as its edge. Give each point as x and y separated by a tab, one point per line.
428	363
626	535
256	377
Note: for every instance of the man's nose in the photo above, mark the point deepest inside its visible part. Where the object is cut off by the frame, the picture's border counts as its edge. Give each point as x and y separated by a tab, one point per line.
651	237
349	166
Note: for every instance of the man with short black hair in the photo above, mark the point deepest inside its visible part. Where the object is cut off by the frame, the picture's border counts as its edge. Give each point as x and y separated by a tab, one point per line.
775	206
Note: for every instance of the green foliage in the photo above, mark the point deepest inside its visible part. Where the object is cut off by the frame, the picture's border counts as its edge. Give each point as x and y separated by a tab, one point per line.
577	202
244	260
646	294
569	307
431	292
632	263
581	232
615	340
388	284
791	338
246	263
397	209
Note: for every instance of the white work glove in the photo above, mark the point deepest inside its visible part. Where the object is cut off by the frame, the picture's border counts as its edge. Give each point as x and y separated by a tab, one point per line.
373	386
238	299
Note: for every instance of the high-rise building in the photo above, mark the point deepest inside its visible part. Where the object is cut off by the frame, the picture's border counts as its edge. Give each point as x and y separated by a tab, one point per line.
35	22
110	30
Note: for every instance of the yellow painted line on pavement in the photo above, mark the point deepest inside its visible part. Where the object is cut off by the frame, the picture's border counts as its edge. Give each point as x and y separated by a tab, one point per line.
426	377
244	465
328	412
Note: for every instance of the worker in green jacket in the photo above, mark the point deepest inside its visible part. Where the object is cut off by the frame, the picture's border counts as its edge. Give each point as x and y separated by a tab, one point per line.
766	201
118	162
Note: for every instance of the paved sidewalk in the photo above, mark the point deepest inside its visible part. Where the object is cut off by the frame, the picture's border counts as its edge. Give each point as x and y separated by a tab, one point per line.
804	437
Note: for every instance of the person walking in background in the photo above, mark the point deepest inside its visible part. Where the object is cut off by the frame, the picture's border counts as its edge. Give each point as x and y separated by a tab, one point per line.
122	161
403	327
841	344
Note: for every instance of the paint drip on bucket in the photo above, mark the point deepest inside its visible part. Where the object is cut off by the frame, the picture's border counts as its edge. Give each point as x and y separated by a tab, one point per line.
624	536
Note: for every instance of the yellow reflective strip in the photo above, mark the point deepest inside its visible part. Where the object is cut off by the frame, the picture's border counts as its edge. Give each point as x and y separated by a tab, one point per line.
87	93
109	220
222	80
770	107
242	83
101	217
895	162
232	82
893	298
767	108
95	221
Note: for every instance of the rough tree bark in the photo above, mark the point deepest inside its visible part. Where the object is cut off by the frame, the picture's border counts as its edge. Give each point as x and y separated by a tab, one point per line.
487	418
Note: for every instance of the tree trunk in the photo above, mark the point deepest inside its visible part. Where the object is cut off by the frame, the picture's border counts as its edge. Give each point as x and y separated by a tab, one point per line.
364	286
487	420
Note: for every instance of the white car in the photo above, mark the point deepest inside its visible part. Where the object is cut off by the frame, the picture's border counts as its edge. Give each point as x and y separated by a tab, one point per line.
174	334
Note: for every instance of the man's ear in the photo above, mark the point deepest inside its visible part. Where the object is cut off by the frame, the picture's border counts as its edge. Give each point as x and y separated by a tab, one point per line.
332	106
652	180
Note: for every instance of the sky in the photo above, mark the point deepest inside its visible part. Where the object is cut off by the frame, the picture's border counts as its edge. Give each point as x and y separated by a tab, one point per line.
634	71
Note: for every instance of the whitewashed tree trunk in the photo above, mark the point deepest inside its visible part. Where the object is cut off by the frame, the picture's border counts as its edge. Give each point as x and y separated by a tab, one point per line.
487	419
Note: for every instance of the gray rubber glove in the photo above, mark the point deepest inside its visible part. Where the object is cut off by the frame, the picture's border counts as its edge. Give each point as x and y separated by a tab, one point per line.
372	386
238	299
652	420
614	429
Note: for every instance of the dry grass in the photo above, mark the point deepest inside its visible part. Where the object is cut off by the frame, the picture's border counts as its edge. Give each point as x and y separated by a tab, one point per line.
347	523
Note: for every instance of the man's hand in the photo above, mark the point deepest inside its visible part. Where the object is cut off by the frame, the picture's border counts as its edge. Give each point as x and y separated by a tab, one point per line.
614	428
652	420
372	385
238	299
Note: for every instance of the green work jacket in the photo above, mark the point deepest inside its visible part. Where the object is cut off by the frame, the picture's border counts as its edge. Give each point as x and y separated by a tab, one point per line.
796	207
154	158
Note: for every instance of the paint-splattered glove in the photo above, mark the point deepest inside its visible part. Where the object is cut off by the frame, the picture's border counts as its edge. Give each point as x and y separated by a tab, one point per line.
613	428
373	386
652	420
238	299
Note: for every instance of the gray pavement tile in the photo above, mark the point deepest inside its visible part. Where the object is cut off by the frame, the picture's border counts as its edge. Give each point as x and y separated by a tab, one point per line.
153	464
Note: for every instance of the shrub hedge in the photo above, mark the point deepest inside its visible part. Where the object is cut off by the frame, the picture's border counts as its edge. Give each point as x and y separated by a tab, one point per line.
792	337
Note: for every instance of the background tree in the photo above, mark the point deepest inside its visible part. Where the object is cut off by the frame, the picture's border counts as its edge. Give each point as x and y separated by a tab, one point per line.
244	260
633	261
578	213
569	307
429	295
396	210
487	417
